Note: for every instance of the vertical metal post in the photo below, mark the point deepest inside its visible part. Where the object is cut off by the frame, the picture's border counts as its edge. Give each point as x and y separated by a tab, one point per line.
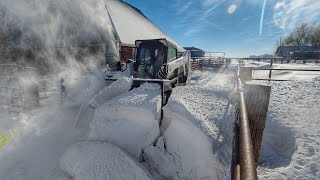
270	71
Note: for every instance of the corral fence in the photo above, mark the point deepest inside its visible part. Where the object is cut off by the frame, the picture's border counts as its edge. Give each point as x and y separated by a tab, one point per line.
199	63
281	60
248	71
202	59
19	87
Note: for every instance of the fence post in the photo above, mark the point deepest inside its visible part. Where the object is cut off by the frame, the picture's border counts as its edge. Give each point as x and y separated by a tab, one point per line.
257	102
270	71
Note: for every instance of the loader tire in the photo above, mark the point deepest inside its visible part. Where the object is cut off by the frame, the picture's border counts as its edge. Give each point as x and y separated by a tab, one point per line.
185	78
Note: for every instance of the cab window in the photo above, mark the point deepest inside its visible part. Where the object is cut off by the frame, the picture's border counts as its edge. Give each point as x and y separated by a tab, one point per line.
172	53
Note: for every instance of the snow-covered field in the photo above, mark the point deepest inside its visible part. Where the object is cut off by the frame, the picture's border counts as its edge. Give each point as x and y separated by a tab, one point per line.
124	138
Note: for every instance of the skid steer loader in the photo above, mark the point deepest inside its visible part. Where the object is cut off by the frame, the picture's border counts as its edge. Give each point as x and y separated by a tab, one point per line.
155	61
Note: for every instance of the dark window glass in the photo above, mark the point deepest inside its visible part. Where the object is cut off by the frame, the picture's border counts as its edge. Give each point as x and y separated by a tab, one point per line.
172	53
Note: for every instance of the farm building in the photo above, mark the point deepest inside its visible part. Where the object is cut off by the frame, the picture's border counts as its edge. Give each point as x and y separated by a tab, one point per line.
298	52
195	52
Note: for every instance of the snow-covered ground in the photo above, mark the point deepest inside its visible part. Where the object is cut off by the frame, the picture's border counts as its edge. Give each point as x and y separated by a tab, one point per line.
291	143
126	140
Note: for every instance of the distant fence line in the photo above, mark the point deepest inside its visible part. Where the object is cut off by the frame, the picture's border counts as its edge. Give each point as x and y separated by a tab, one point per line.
201	62
279	60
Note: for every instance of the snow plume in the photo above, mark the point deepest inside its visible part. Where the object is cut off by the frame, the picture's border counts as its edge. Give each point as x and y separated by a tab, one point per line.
68	39
55	34
63	38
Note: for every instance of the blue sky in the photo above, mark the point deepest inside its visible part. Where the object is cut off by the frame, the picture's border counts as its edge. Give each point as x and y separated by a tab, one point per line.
237	27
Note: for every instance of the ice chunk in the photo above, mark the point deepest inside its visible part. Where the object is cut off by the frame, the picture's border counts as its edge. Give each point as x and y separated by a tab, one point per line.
188	151
160	163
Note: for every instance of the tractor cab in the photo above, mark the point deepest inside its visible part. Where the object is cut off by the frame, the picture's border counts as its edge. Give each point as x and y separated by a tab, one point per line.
151	56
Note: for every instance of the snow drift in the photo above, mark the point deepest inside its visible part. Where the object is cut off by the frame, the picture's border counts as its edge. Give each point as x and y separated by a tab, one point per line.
183	152
100	161
129	121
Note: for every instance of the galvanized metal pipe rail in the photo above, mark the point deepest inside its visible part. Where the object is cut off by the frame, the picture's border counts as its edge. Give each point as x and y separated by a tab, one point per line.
247	164
281	69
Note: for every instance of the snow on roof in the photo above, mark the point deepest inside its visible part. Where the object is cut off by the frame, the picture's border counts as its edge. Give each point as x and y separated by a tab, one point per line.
132	25
193	48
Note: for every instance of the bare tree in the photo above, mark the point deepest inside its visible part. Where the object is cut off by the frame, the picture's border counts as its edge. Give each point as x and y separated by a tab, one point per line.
314	36
290	40
299	37
301	34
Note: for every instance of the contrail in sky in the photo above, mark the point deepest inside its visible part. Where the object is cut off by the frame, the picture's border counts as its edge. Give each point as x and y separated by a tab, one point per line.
214	7
262	16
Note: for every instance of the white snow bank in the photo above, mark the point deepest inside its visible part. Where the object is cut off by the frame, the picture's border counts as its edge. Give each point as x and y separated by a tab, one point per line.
100	161
186	152
209	102
87	110
129	121
147	96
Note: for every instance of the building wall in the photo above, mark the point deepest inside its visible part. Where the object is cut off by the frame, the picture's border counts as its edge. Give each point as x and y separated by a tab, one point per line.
127	52
195	54
296	51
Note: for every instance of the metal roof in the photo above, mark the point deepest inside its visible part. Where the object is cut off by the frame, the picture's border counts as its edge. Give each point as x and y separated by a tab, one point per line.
131	24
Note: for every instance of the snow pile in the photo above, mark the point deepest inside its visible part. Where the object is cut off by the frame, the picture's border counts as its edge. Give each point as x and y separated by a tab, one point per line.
184	152
209	103
87	109
129	121
100	161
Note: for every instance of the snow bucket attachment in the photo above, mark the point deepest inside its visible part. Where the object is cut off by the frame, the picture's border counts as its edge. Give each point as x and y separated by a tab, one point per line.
166	87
